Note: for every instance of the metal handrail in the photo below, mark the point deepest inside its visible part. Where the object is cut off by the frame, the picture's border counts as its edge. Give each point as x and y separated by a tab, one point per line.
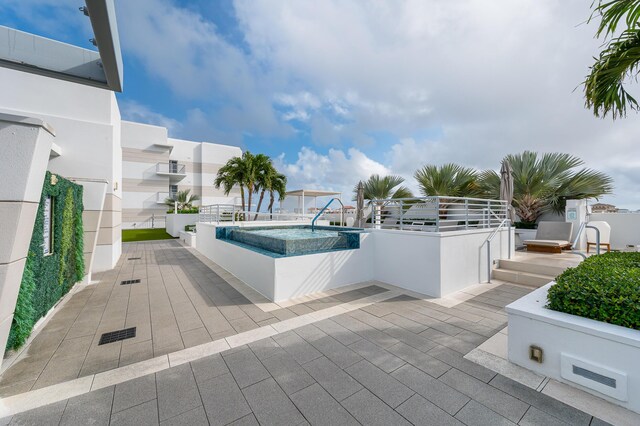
583	226
313	221
491	237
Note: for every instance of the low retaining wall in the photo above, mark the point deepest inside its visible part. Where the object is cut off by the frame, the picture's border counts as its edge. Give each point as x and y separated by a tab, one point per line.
434	264
175	223
594	356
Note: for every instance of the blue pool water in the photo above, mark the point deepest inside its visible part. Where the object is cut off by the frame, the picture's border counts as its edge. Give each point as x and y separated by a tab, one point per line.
291	240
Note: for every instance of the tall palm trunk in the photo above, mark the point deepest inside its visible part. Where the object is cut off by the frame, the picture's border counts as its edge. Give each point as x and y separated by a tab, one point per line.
259	204
250	191
242	197
271	201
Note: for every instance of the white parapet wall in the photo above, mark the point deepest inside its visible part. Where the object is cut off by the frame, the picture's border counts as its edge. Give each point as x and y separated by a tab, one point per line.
175	223
625	228
594	356
434	264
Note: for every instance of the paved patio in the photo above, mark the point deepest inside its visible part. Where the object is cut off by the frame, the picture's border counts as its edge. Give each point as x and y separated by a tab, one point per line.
364	356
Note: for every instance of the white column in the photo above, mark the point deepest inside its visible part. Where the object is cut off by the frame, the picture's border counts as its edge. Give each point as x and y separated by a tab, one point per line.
576	213
25	145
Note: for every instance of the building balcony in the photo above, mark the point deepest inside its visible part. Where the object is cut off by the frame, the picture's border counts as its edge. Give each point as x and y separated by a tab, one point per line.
175	171
161	196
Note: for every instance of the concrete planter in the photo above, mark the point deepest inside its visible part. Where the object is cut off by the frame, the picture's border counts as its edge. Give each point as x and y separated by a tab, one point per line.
176	223
593	356
188	238
524	235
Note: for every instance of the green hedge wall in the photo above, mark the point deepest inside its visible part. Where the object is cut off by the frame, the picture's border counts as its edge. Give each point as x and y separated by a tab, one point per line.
604	288
47	279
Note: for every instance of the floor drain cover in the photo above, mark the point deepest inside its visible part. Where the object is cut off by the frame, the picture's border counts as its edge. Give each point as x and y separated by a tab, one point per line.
127	282
114	336
134	258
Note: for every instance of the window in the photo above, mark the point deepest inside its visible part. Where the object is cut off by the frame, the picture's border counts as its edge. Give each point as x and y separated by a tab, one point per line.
173	190
173	166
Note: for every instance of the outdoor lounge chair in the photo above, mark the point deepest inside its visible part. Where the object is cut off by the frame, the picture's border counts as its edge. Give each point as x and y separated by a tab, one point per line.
605	234
551	237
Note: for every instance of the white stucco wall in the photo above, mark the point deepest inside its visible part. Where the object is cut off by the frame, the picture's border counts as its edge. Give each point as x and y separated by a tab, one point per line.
175	223
87	124
625	228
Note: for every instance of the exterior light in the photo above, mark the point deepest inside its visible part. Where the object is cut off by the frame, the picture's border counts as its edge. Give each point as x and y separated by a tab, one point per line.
536	354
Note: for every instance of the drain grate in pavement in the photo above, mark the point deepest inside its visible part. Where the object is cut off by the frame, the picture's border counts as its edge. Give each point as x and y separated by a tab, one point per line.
127	282
115	336
134	258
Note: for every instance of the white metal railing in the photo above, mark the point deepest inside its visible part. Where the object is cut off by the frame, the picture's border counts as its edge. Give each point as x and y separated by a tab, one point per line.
170	168
505	223
153	221
217	213
437	214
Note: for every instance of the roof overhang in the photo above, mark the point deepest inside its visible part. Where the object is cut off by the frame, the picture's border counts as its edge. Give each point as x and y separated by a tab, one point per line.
311	193
39	55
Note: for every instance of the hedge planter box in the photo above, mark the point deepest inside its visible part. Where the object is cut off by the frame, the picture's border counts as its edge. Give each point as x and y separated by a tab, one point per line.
597	357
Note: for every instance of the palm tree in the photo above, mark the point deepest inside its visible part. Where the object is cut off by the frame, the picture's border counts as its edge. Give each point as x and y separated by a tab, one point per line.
265	173
278	186
544	183
449	179
618	61
384	187
239	171
184	198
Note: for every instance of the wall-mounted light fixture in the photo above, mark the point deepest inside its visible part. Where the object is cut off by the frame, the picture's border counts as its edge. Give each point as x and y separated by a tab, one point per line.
536	354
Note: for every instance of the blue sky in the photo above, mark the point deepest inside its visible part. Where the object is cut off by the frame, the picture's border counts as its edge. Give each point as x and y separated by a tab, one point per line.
340	89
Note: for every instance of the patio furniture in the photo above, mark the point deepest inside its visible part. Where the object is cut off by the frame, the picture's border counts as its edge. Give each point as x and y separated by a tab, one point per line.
551	237
605	234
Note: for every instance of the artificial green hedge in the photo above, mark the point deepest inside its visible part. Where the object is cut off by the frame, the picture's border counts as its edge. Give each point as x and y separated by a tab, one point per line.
604	288
47	278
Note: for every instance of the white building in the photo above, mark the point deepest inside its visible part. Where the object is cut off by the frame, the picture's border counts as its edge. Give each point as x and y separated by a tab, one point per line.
155	167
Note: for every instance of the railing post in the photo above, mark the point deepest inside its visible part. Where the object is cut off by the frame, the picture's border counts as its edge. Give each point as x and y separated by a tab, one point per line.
509	243
437	214
466	210
489	262
218	213
401	215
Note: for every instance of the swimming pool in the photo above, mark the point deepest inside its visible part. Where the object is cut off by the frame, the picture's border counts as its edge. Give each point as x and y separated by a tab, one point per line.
291	240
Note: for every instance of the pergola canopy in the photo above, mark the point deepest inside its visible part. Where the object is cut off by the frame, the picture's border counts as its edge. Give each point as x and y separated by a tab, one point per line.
311	193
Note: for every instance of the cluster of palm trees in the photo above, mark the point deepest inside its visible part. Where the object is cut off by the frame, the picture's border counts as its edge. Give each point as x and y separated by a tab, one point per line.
185	200
252	174
542	183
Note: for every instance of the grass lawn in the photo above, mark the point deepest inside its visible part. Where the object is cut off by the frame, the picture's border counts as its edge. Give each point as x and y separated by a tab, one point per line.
130	235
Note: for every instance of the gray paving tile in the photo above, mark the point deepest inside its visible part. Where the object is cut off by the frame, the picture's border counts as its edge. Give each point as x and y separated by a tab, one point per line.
338	383
319	408
370	410
223	401
90	408
195	417
535	417
338	353
411	339
439	393
424	362
209	367
379	357
143	414
406	323
384	386
288	373
177	391
245	367
476	414
249	420
338	332
295	345
456	360
270	405
134	392
498	401
45	416
541	401
265	348
599	422
419	411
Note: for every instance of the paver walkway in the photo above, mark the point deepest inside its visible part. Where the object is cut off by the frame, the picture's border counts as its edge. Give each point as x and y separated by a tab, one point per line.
398	361
178	303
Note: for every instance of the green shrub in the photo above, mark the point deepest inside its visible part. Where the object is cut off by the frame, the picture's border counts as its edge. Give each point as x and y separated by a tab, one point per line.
604	288
190	228
48	278
192	210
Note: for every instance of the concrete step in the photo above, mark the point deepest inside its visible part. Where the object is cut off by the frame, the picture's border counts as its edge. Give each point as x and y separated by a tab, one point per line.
532	268
523	278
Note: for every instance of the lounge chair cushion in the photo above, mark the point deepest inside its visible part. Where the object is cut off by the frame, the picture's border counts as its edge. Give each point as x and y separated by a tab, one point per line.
554	231
549	243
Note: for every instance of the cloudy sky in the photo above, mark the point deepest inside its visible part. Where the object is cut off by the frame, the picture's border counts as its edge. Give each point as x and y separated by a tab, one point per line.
336	90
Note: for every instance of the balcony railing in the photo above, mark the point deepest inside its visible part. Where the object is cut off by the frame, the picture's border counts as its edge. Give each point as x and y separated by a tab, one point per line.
230	213
437	214
162	196
176	169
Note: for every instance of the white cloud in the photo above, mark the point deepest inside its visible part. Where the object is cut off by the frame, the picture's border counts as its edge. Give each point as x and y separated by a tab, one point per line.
335	171
134	111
